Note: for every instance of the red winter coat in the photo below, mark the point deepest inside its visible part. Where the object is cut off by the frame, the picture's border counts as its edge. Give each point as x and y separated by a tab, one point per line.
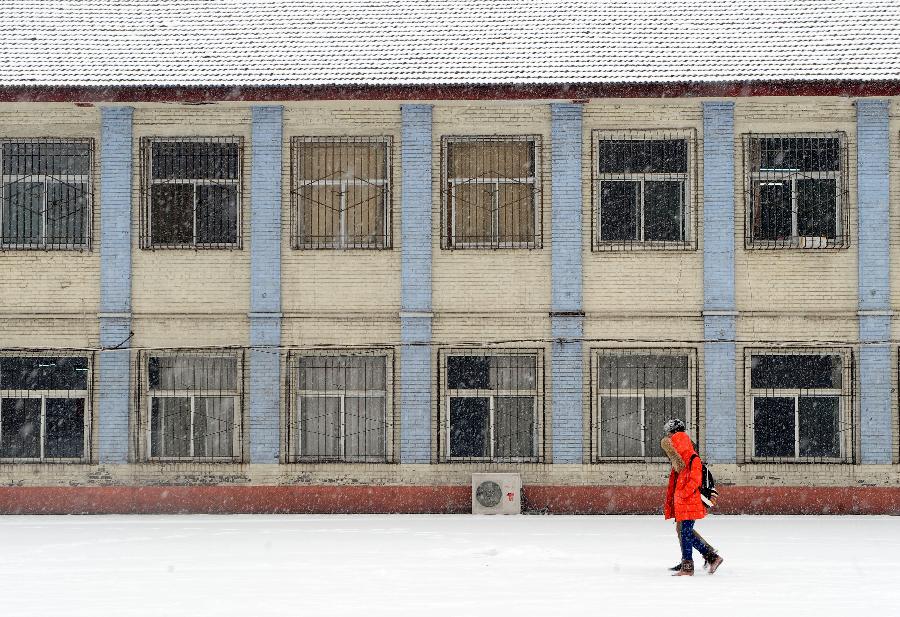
683	495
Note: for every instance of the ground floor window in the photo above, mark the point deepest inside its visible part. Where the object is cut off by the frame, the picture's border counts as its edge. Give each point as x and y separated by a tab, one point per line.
799	405
44	407
491	405
341	406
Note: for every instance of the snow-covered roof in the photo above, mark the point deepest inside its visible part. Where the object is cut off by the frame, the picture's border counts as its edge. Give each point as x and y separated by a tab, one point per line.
417	42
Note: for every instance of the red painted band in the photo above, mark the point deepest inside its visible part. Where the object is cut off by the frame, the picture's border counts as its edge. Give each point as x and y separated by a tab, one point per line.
428	499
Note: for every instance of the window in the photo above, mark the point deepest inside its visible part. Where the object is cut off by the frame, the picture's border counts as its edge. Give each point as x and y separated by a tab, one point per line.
796	191
642	190
800	405
341	192
635	392
341	407
193	406
491	192
44	407
45	200
491	406
192	192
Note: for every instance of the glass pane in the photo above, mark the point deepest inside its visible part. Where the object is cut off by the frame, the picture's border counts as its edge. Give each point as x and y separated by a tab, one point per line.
490	159
472	212
619	207
172	213
514	426
468	372
199	373
516	212
620	426
20	422
340	373
820	426
217	213
22	212
772	210
513	372
170	426
637	372
46	158
364	428
470	427
43	373
658	410
364	215
195	160
796	371
65	428
320	214
817	208
214	426
773	426
642	156
320	426
330	161
67	210
664	210
796	154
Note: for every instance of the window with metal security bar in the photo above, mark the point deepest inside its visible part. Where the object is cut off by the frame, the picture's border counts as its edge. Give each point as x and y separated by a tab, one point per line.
799	405
44	407
192	405
796	191
491	405
341	406
46	195
191	192
634	393
341	192
491	192
643	196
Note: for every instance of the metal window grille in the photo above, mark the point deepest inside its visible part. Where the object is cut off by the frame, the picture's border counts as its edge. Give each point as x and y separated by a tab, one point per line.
799	405
633	393
491	406
45	407
192	405
46	196
341	192
642	190
796	191
341	406
491	192
191	194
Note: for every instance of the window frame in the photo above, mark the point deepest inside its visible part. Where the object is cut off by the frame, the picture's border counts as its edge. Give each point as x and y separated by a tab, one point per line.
148	182
86	179
293	434
86	395
342	244
690	394
445	394
842	212
845	395
688	178
448	196
147	395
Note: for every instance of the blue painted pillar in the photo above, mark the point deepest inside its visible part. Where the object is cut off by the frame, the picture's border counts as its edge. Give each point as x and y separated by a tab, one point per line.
265	284
567	310
719	311
415	285
873	189
115	283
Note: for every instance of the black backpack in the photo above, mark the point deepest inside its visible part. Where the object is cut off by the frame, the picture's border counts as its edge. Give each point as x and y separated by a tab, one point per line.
708	492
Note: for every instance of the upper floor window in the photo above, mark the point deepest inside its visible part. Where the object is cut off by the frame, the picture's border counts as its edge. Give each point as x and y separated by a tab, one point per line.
491	405
796	191
799	405
191	193
491	192
45	199
44	407
642	190
341	192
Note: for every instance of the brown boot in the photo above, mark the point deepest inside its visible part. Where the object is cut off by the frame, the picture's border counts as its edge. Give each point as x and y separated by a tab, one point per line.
714	560
687	568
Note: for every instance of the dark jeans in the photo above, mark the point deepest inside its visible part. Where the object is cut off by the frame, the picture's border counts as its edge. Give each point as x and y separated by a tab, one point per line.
690	541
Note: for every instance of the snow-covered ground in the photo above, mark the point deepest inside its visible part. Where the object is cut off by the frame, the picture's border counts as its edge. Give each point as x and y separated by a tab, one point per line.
432	566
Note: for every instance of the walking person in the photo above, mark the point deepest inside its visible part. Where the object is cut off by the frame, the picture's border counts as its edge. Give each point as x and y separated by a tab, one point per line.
683	501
